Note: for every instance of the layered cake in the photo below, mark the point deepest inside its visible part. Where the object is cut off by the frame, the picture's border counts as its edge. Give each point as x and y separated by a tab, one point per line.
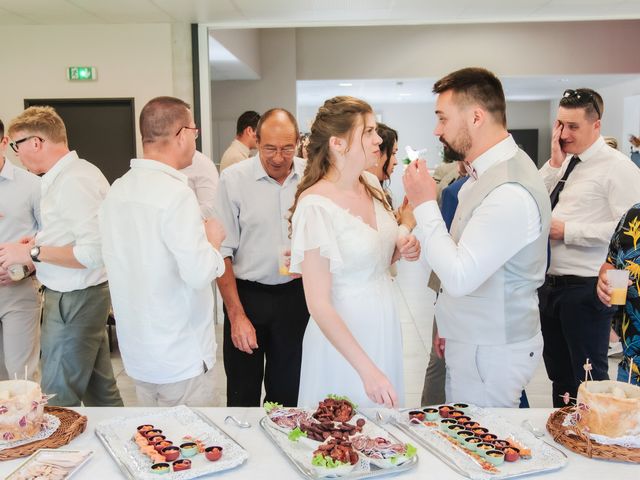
612	408
21	409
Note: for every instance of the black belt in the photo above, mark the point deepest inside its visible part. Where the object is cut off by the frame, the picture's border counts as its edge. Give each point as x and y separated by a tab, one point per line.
566	280
294	283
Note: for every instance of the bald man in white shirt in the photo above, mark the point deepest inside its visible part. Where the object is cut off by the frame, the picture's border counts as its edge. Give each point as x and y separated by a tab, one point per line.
265	311
161	258
76	365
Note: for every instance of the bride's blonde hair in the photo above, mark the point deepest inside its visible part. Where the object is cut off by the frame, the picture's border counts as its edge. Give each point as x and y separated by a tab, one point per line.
337	117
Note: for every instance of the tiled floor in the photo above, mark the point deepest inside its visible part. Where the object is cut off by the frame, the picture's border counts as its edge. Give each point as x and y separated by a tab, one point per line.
415	309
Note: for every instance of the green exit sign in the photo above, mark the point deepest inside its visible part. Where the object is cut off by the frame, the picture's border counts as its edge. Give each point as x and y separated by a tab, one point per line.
82	73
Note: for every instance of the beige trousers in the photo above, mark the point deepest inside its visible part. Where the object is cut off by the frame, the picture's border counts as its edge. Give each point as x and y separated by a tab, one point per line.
193	392
20	330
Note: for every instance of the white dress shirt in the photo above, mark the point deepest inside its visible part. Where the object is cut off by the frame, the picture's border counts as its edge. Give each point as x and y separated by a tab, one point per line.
236	152
72	191
19	203
599	190
506	221
160	268
254	209
202	175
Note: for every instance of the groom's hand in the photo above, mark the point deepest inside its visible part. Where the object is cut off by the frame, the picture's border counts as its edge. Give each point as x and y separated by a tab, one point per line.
419	186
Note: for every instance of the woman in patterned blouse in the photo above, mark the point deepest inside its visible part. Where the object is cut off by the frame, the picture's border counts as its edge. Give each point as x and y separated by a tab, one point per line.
624	253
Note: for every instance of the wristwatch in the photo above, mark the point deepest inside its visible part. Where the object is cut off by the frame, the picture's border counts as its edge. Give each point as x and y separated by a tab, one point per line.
35	253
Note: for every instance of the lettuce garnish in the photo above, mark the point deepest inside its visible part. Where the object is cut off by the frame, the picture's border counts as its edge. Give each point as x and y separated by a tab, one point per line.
269	406
410	452
296	433
320	460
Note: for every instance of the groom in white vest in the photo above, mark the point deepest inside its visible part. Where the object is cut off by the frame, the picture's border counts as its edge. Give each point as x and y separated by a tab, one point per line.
494	259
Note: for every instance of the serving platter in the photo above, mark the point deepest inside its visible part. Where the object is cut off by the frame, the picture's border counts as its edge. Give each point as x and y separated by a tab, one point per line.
544	457
177	422
300	451
48	463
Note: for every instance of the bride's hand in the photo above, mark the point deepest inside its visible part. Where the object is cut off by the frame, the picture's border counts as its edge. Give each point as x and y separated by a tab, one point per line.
379	389
409	248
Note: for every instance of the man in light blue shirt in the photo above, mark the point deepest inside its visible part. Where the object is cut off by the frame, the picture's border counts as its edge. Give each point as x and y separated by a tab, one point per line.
19	299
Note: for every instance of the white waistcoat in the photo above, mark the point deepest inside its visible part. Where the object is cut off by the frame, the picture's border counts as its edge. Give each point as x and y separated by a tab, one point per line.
504	309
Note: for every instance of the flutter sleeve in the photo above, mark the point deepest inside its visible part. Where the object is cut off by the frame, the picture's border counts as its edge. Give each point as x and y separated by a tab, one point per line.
313	227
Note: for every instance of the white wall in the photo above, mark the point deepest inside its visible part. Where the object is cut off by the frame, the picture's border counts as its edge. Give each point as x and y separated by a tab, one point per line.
276	88
181	66
432	51
532	115
622	112
243	44
132	61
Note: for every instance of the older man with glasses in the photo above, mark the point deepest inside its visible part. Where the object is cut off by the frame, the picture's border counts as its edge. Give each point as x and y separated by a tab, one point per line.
591	186
76	366
264	307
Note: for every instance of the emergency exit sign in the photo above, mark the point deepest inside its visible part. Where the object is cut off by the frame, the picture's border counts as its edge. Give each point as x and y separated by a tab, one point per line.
82	73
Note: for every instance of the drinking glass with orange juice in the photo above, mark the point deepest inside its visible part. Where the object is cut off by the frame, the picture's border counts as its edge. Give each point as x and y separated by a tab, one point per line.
619	282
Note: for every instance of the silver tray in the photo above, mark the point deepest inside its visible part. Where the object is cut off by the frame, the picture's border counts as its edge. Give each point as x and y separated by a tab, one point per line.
544	457
363	470
115	435
44	456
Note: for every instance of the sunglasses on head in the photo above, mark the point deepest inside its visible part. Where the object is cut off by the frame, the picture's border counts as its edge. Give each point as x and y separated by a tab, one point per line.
582	97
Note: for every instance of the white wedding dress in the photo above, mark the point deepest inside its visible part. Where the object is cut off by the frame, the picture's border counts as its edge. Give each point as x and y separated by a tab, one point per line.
362	294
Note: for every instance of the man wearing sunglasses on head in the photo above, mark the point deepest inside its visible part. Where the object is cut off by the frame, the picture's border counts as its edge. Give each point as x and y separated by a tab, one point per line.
76	366
591	185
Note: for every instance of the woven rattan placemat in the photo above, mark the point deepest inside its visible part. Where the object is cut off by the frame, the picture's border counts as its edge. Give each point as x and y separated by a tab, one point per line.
580	443
72	424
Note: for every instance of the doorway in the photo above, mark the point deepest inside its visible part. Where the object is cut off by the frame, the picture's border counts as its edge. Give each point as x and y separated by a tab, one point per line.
101	130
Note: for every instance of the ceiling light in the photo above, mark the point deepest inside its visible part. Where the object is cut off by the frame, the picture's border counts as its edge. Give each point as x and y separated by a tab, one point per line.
346	84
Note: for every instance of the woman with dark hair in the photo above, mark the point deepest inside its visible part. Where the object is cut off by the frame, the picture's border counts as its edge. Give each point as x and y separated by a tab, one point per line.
383	168
344	237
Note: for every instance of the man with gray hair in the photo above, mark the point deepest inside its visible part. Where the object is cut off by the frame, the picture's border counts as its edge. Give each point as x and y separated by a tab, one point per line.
265	312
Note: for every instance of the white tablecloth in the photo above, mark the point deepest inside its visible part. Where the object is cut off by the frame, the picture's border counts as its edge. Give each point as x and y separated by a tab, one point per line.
267	462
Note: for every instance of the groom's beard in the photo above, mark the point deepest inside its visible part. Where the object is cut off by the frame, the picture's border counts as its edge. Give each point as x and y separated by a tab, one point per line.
461	145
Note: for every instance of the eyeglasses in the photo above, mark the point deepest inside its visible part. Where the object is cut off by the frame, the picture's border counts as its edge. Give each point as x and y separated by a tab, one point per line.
271	151
196	131
16	145
581	97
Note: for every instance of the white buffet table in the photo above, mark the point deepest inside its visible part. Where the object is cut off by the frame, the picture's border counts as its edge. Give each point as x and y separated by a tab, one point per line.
267	462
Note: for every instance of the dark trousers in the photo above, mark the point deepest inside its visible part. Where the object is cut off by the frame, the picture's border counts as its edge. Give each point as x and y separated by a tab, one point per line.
279	314
575	326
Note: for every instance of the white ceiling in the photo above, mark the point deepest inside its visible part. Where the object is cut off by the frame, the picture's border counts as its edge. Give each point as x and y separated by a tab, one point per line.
314	92
272	13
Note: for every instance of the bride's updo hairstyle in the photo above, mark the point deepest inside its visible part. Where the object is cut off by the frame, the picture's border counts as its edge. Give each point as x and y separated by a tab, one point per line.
338	117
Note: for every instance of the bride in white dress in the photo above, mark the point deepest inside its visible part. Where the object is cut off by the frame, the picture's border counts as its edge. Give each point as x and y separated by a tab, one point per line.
344	237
